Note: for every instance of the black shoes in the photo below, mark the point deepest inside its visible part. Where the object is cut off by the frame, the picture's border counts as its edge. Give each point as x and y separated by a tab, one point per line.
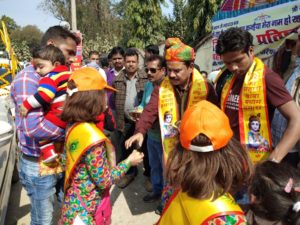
148	185
151	197
159	209
124	181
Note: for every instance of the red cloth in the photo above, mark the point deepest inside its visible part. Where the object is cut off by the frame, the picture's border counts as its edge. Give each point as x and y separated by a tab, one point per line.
106	120
100	123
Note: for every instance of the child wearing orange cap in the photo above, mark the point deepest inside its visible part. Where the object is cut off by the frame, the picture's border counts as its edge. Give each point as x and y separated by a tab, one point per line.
89	174
206	167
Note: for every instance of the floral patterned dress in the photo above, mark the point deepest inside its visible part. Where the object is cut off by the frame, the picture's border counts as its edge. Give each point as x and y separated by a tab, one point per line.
228	220
91	177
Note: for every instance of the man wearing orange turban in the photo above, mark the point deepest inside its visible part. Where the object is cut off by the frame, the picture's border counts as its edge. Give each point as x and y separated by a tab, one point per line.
181	88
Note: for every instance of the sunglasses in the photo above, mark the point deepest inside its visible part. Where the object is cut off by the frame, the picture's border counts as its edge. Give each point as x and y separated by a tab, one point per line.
94	58
152	70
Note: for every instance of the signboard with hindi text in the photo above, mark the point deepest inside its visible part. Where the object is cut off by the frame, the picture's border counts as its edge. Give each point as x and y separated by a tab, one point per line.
76	64
270	26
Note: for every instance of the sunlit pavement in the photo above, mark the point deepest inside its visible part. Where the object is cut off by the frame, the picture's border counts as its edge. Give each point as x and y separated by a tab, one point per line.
128	205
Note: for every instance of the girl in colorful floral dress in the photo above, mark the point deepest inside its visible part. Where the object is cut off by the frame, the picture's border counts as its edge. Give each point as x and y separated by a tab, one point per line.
90	165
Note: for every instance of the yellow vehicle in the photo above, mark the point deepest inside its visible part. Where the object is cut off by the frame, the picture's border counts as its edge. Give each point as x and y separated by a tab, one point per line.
8	60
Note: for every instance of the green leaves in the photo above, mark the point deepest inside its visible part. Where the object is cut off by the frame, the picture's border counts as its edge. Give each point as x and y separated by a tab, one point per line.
97	20
99	43
143	23
22	38
136	23
22	50
31	34
199	18
10	23
176	25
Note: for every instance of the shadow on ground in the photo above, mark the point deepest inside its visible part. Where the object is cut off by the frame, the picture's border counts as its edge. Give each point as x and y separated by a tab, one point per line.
15	211
128	205
134	194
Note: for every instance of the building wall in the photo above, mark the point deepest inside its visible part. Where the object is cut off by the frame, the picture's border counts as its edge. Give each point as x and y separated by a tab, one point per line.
204	56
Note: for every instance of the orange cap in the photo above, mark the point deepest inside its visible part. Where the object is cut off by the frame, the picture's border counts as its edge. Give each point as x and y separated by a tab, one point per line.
88	79
205	118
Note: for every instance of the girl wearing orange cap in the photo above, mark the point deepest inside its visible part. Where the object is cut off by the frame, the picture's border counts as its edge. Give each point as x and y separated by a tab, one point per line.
90	165
205	168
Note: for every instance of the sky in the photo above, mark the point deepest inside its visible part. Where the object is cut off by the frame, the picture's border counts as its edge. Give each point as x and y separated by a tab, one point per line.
26	12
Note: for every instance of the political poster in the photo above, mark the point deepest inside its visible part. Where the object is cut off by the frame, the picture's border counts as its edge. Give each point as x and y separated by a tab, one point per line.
270	26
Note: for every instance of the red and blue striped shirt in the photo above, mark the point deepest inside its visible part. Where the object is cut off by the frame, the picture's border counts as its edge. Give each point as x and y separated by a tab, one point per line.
51	92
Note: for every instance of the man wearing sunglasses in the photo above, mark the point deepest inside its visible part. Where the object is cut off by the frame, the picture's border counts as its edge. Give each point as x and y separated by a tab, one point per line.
181	88
155	69
182	82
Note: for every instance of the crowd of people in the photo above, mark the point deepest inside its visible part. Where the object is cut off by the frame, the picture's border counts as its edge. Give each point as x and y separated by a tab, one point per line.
219	151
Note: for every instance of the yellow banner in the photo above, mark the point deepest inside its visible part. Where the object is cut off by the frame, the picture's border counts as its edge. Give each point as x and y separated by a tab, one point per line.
254	128
168	109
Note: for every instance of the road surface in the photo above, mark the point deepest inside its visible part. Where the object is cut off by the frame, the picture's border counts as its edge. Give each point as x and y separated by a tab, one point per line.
128	206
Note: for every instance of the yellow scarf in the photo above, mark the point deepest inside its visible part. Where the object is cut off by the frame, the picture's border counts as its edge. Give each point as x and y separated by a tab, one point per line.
184	210
80	138
168	110
252	109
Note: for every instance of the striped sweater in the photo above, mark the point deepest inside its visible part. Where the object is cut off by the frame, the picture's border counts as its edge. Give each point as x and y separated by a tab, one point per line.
51	95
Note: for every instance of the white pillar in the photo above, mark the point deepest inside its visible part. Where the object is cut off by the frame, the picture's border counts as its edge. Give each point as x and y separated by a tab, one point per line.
73	15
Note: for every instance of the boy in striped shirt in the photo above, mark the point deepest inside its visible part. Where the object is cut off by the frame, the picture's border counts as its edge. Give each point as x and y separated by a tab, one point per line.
49	62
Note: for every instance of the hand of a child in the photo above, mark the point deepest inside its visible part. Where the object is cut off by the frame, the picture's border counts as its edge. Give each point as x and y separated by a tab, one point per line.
23	111
135	157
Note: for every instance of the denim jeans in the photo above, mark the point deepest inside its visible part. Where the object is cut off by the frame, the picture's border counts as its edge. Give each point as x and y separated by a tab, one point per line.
155	161
41	191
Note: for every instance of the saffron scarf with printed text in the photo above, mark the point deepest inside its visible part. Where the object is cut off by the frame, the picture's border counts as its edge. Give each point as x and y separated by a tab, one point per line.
169	106
252	106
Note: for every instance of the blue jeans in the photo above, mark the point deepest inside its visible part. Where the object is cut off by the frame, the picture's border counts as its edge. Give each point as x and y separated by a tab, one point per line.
40	189
155	161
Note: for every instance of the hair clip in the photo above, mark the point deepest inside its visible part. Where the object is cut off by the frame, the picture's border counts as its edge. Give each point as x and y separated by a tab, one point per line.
288	187
70	92
296	207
